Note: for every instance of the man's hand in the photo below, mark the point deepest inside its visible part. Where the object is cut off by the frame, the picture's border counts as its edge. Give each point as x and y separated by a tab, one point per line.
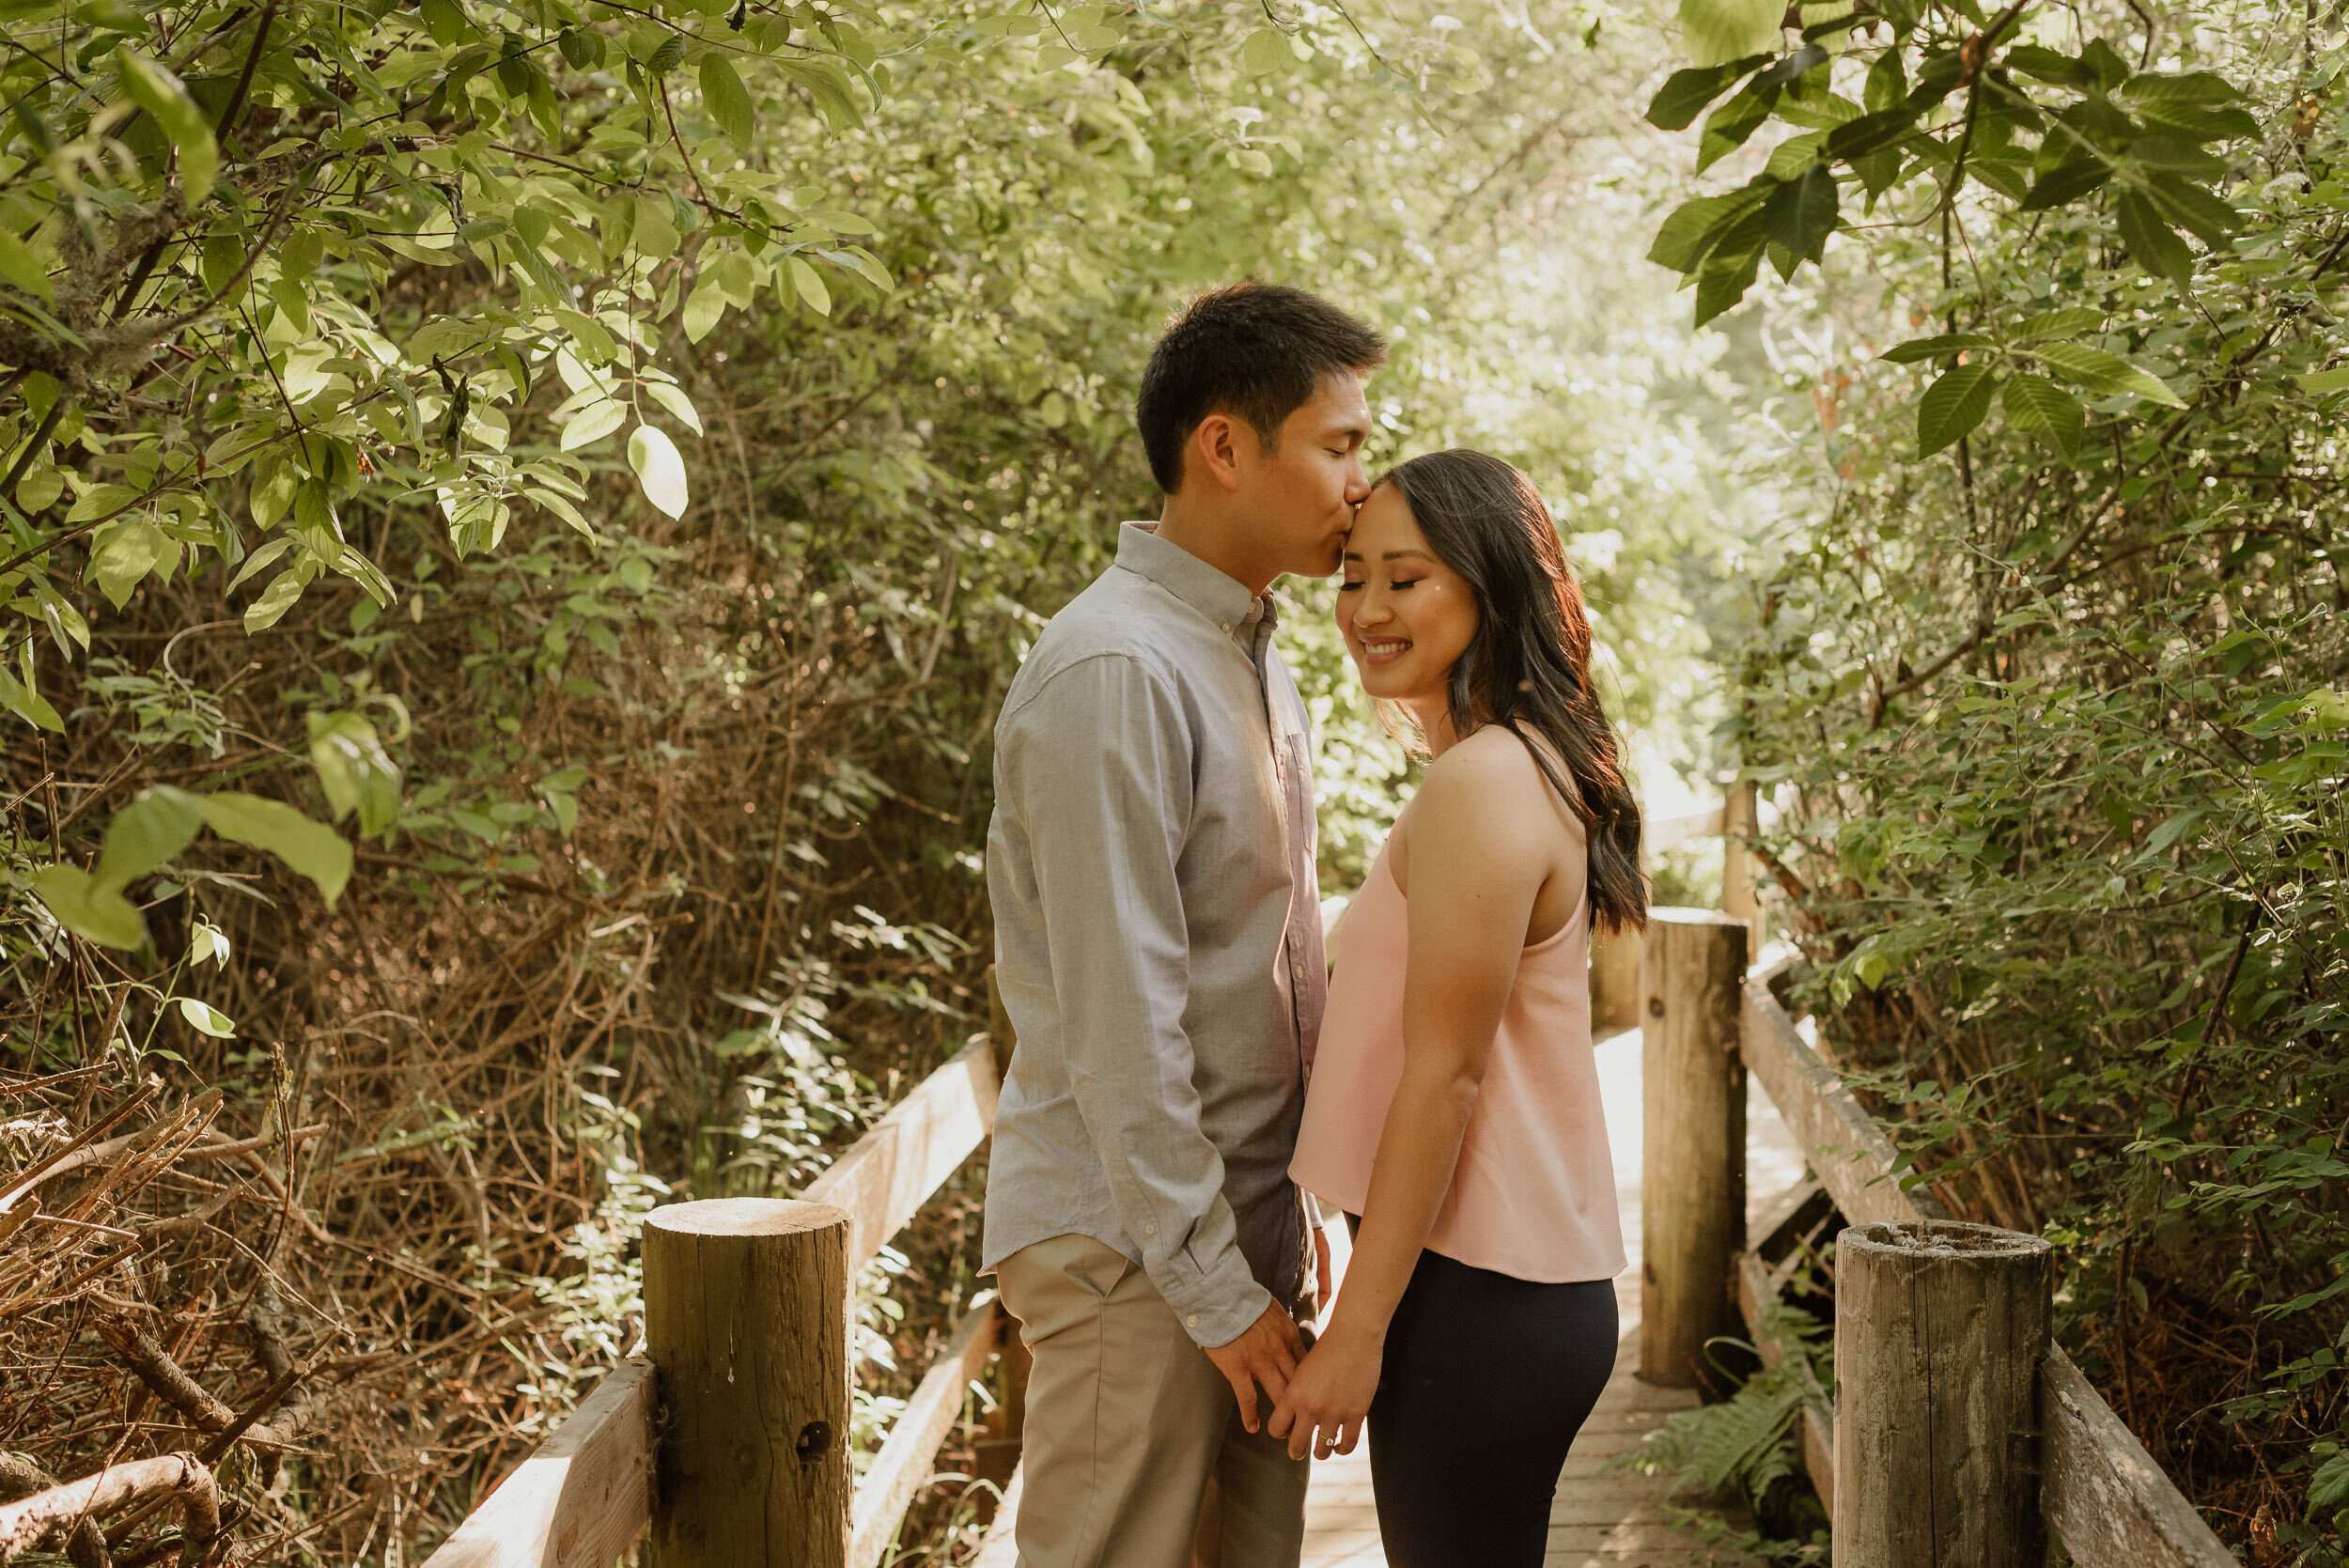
1322	1293
1268	1353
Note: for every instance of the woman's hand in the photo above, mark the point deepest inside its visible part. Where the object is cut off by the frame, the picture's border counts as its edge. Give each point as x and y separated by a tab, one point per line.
1330	1394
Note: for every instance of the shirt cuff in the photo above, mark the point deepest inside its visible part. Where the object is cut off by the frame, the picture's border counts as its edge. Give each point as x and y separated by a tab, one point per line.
1217	1307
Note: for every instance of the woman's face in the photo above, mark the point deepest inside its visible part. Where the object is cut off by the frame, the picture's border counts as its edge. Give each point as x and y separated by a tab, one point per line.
1406	616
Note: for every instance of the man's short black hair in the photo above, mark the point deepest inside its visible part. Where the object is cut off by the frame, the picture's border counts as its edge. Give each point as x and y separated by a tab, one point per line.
1258	351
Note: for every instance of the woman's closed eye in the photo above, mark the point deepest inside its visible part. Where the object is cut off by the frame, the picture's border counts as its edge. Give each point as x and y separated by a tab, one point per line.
1352	585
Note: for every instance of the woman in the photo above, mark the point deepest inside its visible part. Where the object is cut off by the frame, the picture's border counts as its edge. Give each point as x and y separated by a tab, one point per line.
1454	1103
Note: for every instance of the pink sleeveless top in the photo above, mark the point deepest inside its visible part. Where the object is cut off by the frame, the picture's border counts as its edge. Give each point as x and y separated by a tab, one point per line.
1534	1196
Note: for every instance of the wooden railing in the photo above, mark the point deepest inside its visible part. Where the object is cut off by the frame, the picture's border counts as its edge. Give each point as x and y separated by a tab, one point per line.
1961	1433
729	1436
1953	1414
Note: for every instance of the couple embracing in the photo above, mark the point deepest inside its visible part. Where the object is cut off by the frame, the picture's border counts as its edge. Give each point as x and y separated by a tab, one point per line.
1189	1078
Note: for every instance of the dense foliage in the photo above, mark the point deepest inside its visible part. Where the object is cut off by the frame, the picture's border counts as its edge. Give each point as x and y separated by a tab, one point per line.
2048	688
519	518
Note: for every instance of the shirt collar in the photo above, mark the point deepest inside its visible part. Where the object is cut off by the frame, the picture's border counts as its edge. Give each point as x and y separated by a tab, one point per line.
1225	601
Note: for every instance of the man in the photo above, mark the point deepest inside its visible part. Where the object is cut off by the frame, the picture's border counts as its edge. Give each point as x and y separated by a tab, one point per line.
1158	949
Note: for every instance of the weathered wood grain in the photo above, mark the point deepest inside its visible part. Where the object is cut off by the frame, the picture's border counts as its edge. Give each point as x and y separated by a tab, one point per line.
1939	1329
746	1313
1692	1190
897	1471
1849	1152
580	1497
892	1170
2103	1495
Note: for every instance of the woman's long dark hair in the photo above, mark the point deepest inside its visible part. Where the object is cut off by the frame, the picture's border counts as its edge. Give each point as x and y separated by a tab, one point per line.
1528	668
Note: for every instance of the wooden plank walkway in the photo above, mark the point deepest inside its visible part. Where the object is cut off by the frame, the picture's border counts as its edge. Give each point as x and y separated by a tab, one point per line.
1602	1519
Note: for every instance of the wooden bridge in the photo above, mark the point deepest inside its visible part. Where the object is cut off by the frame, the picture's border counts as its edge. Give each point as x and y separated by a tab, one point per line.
1957	1435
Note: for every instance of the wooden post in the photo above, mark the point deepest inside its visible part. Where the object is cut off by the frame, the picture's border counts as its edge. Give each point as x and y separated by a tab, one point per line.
746	1309
1939	1330
1692	1182
1738	821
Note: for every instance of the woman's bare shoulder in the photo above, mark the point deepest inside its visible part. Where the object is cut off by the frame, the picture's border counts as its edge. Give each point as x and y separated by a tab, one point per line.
1488	775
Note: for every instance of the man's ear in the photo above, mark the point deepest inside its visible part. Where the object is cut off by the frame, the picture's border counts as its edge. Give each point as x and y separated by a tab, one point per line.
1215	450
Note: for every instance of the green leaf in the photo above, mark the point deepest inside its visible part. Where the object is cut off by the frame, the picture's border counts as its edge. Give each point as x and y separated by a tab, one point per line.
2060	323
1729	127
1266	50
21	267
1675	104
1935	347
2325	381
1800	213
1728	272
593	423
829	85
88	908
2199	212
582	49
672	397
2048	65
2199	87
354	770
2065	184
206	1020
1953	406
727	101
2037	407
447	22
1696	226
2104	373
704	307
660	470
156	90
2329	1487
811	287
123	557
145	834
1713	32
28	704
311	848
668	56
1871	132
276	599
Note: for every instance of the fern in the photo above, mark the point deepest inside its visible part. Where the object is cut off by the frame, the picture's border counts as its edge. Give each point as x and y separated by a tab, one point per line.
1746	1449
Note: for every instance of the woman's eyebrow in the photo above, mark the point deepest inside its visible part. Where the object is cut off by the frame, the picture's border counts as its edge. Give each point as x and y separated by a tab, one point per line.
1399	554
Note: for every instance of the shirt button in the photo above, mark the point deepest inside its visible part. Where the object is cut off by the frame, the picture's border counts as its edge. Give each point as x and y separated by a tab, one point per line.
1150	1229
1226	625
1191	1322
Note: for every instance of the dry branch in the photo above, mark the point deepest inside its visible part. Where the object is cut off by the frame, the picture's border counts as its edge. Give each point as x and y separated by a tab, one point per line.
180	1477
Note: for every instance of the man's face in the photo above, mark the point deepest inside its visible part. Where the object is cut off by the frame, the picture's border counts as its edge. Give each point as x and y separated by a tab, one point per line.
1302	495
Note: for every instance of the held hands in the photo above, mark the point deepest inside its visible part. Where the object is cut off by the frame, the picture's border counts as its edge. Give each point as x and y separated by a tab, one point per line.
1265	1353
1331	1392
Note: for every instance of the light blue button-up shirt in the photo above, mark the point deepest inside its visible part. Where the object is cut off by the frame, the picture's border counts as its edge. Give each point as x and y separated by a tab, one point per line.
1158	934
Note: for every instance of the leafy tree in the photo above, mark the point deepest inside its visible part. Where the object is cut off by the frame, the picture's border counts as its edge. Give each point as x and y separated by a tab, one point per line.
2046	685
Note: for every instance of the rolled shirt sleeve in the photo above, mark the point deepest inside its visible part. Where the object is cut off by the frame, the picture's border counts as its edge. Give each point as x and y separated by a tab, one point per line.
1101	777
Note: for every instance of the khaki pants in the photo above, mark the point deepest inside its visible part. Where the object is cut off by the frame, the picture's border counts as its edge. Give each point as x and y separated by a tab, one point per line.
1127	1422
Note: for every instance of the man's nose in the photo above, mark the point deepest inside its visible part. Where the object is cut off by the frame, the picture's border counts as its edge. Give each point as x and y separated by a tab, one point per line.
1357	481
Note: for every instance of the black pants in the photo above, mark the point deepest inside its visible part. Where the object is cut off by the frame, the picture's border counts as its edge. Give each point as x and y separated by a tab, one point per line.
1486	1380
